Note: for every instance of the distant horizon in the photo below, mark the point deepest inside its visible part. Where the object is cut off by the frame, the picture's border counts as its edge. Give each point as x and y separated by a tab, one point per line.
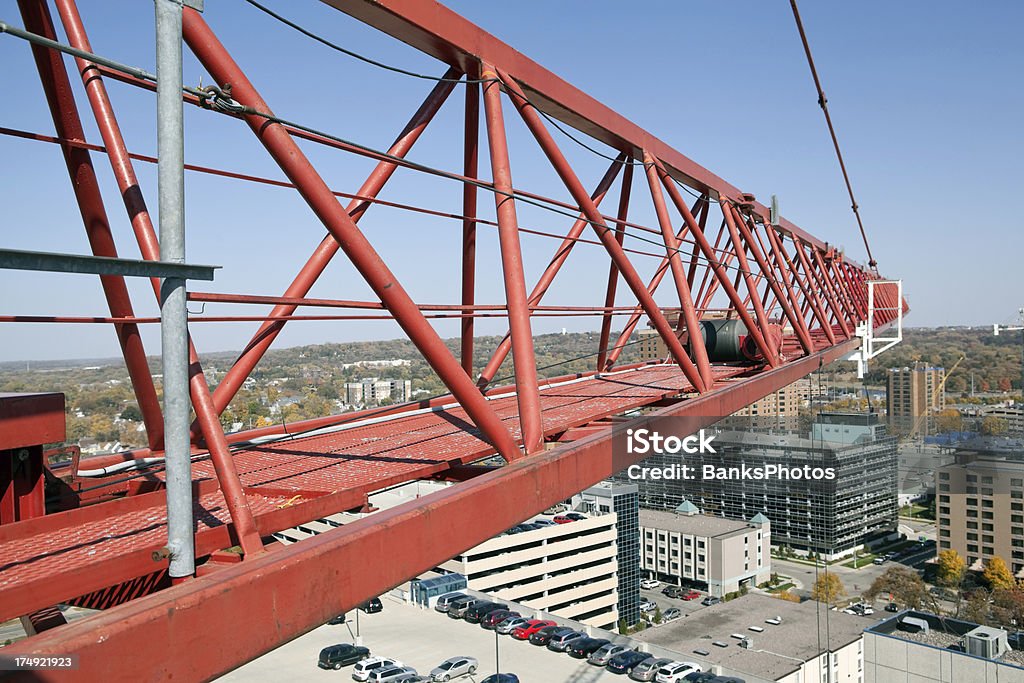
114	358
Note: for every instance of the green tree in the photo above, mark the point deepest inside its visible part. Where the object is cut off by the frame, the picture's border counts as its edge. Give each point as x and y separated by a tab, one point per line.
997	575
993	426
905	587
132	413
828	589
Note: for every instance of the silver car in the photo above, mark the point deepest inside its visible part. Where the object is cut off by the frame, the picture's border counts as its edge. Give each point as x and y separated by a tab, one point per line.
559	643
392	675
603	655
648	669
512	623
445	601
453	667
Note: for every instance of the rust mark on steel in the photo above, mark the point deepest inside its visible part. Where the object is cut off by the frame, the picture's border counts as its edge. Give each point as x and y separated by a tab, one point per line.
291	591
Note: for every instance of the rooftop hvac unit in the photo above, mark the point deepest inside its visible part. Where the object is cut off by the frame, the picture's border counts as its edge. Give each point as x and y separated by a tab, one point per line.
747	644
986	642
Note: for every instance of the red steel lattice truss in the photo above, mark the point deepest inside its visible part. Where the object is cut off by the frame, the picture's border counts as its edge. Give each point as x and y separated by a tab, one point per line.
800	300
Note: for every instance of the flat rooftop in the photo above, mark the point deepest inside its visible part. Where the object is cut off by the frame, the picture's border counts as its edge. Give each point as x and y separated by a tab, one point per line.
942	633
774	650
697	525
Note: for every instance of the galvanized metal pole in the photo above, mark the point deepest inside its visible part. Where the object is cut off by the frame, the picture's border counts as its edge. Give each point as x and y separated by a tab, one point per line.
173	312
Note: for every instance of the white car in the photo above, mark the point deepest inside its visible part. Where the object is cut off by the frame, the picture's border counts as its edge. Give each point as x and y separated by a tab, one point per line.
366	667
676	672
650	584
648	606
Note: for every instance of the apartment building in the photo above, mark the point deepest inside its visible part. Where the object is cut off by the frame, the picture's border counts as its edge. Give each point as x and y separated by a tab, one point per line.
980	509
720	555
914	395
372	390
568	569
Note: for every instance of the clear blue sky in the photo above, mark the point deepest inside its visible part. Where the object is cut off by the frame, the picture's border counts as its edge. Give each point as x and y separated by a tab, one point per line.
926	98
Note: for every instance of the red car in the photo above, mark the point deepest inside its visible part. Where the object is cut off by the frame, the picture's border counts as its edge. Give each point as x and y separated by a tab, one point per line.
531	627
692	595
562	519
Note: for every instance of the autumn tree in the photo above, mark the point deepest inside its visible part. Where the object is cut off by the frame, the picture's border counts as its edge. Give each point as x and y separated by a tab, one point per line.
993	426
1005	384
949	420
997	575
952	568
905	587
828	588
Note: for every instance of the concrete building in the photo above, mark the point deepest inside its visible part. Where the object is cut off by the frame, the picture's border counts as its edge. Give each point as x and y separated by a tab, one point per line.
1013	416
913	397
769	639
918	647
778	411
623	500
826	516
371	391
568	569
721	555
980	509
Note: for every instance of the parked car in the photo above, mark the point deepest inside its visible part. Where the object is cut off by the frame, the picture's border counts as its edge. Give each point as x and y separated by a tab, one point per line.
604	654
543	636
624	662
492	619
413	678
646	670
691	595
892	607
649	584
562	519
648	605
672	591
710	600
671	613
445	601
511	624
544	522
391	675
368	666
559	643
372	606
676	672
584	647
480	610
575	516
501	678
878	560
531	627
458	608
340	619
453	667
708	677
337	656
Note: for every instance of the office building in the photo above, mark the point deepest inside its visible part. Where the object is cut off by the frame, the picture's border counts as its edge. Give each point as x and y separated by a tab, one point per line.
918	647
757	637
568	569
825	516
778	411
371	391
717	554
915	394
980	509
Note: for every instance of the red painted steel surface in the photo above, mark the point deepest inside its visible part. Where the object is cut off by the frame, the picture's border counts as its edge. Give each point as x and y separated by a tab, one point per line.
108	552
30	419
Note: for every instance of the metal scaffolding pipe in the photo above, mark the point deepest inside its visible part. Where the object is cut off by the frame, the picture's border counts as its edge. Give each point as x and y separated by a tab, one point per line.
173	305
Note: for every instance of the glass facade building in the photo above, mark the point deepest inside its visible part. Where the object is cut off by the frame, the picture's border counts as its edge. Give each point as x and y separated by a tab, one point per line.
622	499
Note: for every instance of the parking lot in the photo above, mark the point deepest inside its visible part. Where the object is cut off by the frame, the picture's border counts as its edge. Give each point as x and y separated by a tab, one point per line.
687	607
422	639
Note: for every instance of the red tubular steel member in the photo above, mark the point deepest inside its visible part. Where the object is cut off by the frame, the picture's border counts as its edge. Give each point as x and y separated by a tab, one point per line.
541	288
527	388
810	296
675	262
328	247
61	100
470	163
367	261
613	272
149	246
816	285
607	236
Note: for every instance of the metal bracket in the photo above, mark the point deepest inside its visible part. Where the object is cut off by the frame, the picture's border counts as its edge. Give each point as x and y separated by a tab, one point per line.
871	344
14	259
